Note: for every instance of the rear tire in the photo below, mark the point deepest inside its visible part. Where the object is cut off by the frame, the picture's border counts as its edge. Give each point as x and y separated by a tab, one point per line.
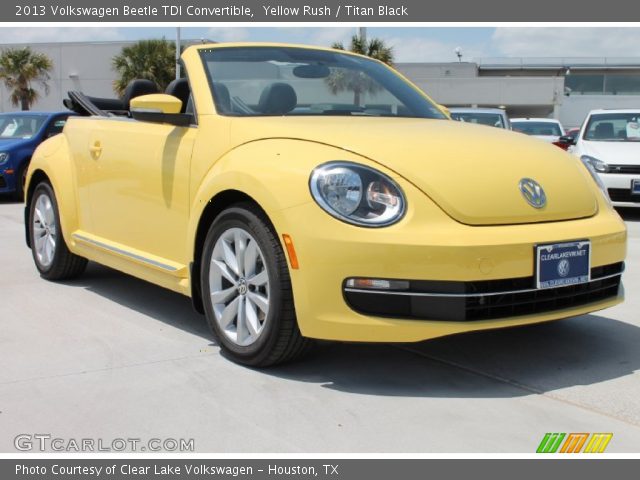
53	259
246	287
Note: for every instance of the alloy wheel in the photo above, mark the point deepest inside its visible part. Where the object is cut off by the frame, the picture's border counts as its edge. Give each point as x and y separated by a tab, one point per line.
239	286
44	230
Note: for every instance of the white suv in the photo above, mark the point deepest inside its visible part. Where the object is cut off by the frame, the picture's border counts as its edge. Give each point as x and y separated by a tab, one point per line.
609	143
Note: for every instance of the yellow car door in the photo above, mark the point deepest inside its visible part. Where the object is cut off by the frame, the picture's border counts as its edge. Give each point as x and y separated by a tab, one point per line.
139	190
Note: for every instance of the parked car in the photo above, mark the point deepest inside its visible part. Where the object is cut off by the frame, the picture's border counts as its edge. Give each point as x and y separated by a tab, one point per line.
493	117
572	133
568	139
609	143
20	134
547	129
286	219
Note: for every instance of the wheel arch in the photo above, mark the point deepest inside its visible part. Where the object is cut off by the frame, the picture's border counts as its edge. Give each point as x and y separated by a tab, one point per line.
52	161
216	205
37	177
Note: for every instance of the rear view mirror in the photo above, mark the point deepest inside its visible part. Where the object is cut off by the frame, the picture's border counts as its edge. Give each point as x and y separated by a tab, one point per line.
311	71
159	108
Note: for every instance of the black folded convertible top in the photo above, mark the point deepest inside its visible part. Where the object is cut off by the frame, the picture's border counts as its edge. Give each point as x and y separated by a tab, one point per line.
85	105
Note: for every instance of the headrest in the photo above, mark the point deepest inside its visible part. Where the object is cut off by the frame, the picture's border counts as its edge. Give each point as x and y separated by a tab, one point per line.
277	99
179	88
136	88
604	130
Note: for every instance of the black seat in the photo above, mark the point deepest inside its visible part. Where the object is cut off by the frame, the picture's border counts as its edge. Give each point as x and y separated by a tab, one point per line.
137	88
277	99
604	130
180	89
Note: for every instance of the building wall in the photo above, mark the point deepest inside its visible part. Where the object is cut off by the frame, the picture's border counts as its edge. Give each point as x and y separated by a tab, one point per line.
525	87
574	108
82	66
482	91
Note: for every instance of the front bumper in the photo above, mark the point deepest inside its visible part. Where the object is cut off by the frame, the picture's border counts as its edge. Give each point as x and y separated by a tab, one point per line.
619	188
428	245
7	180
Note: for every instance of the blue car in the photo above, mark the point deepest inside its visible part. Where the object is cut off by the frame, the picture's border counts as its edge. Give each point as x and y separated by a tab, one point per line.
20	134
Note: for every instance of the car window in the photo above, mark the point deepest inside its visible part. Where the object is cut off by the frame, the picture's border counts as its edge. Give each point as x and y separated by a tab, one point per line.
490	119
20	126
56	126
537	128
613	127
255	81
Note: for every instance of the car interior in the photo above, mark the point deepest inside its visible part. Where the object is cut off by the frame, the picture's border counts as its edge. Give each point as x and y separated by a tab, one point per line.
85	105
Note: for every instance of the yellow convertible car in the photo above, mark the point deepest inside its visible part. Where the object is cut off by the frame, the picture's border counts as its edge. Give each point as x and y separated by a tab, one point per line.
300	193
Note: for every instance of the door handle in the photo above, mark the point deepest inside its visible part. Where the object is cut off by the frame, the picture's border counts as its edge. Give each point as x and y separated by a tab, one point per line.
95	149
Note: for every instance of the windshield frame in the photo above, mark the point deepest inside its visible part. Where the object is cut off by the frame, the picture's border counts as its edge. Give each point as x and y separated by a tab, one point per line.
419	100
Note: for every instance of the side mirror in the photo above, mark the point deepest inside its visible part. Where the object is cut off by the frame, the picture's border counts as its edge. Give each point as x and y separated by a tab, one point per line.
567	140
159	108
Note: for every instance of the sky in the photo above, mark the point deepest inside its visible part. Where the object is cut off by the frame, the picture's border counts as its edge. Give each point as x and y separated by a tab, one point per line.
410	44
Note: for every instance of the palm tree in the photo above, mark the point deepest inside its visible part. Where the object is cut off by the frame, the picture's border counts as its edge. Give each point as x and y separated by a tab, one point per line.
374	48
342	80
19	67
154	60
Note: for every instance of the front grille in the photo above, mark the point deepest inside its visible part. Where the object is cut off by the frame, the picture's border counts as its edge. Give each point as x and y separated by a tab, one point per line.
624	169
623	195
3	182
484	300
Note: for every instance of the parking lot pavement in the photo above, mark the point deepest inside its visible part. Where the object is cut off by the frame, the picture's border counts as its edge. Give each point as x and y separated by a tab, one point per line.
109	356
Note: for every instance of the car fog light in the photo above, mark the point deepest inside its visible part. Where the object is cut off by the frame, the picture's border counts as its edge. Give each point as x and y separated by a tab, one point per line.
377	284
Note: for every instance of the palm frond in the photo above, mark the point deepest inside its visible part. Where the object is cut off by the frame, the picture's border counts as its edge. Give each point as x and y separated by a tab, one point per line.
19	68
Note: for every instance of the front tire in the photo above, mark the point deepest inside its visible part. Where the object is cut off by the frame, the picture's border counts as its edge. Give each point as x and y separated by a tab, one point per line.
21	180
53	259
246	288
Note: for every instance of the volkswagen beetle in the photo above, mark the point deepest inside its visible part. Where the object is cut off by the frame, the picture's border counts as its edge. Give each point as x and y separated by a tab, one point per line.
300	193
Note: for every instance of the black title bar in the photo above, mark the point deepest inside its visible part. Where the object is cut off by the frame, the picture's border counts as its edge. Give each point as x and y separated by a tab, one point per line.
326	11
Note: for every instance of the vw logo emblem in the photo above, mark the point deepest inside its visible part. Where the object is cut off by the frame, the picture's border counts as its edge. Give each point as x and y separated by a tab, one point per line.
533	193
563	268
242	286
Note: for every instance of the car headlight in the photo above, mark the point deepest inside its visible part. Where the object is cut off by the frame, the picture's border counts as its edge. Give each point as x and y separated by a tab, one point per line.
357	194
589	163
4	158
598	165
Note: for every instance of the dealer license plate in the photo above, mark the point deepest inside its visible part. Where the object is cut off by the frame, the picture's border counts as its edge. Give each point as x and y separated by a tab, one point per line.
562	264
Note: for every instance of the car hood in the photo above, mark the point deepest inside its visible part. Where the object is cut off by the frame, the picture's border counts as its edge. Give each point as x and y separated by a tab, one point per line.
11	143
472	172
623	153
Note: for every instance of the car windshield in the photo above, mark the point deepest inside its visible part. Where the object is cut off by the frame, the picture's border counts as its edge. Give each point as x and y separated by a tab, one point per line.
613	127
550	129
256	81
20	126
484	118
